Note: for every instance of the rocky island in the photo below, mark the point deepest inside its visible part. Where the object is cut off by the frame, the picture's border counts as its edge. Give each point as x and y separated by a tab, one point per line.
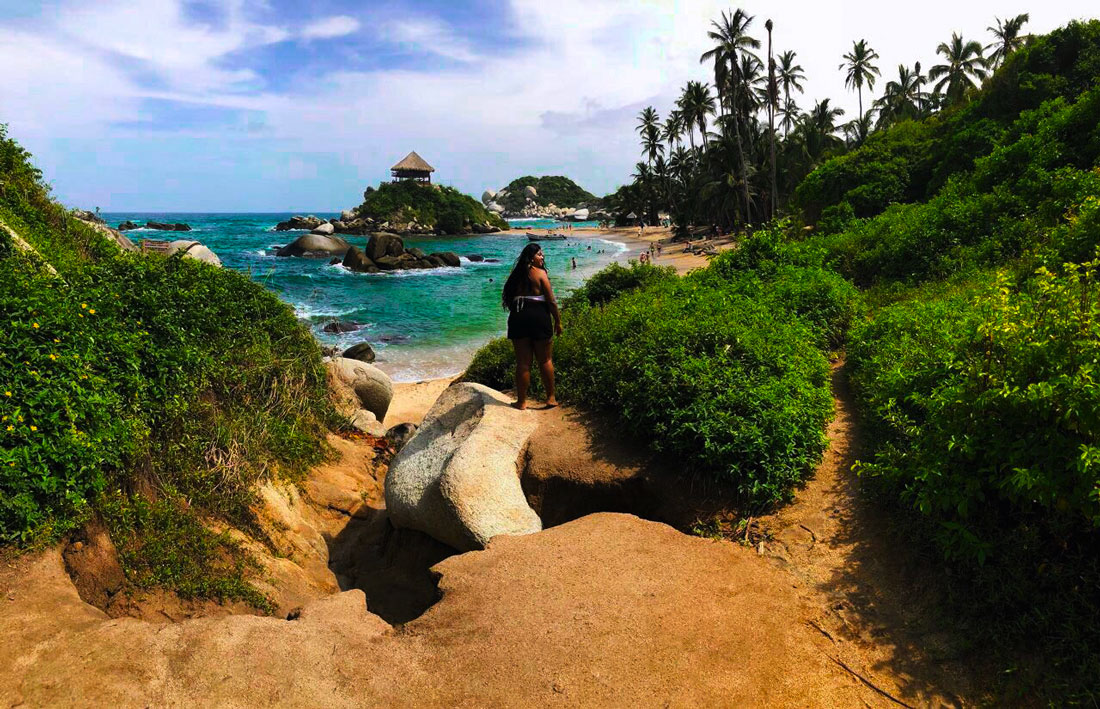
549	197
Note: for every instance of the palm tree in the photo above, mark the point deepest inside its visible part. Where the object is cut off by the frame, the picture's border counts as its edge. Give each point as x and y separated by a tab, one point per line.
902	98
696	104
648	120
964	64
1007	38
818	128
856	130
672	129
860	69
687	120
733	41
651	143
789	76
790	113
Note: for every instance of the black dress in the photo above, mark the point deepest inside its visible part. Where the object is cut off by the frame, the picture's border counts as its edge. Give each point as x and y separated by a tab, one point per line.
529	318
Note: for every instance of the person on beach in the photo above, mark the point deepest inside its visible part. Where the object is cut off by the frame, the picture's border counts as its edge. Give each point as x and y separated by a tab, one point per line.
533	320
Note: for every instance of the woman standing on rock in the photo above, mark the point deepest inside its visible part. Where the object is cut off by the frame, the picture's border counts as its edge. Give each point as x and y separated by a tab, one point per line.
533	320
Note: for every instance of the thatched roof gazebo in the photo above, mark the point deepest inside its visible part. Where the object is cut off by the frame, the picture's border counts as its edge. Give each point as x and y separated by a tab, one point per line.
412	167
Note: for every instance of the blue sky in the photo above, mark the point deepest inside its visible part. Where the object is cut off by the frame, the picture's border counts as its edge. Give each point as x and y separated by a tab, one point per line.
272	105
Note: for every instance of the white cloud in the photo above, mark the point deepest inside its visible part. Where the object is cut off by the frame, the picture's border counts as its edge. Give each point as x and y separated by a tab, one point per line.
558	94
330	27
427	35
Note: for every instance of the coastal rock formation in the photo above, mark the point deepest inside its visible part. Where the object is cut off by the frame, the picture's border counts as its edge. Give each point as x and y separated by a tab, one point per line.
86	216
487	196
400	434
372	387
298	222
530	192
162	226
362	352
457	479
128	226
195	250
315	245
384	244
325	229
449	258
338	326
365	421
475	258
356	260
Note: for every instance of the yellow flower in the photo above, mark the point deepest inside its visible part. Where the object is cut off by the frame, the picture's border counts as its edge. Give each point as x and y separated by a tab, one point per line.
84	305
7	393
36	326
80	314
34	428
53	356
56	340
92	311
11	428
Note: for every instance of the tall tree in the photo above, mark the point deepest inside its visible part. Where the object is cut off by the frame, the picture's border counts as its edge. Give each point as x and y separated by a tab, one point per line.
648	123
901	98
733	41
861	70
773	104
1007	38
963	64
818	129
696	104
790	76
672	129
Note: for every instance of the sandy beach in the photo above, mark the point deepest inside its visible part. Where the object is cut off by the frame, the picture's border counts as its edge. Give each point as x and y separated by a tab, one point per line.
677	255
411	400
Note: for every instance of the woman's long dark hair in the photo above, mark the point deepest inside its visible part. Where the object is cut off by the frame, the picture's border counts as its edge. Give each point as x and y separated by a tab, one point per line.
517	279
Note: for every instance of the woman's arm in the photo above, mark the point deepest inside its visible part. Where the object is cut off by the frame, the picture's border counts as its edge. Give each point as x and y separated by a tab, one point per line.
548	291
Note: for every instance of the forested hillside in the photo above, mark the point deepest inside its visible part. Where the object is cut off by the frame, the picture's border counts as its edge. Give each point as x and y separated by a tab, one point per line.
952	254
148	392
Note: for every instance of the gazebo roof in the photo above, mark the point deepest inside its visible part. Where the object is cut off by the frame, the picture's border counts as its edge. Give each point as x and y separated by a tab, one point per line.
412	161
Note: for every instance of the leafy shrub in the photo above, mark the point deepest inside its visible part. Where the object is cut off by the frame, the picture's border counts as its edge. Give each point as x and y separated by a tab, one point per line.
192	373
614	280
728	381
985	412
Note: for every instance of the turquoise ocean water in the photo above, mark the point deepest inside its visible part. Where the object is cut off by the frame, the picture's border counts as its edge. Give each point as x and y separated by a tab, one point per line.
423	323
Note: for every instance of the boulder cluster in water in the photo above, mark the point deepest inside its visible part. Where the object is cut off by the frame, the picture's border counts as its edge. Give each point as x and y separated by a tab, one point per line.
383	252
350	222
159	226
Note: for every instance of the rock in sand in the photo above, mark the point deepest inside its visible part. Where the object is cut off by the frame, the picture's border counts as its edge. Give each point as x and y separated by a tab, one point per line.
457	478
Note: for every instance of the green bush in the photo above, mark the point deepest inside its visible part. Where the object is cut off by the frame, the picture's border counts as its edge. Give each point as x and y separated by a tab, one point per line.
719	369
614	280
123	376
442	208
983	406
191	374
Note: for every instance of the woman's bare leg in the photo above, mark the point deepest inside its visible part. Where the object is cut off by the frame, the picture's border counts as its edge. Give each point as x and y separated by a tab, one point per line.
544	349
523	370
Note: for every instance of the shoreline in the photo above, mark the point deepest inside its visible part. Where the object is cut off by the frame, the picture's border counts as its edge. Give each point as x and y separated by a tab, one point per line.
412	399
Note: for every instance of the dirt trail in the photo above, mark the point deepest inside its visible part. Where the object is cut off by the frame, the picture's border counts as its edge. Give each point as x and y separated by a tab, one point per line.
876	600
607	610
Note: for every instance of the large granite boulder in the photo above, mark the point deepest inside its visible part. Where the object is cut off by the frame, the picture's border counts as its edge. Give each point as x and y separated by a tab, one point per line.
384	244
325	229
128	226
488	196
362	352
457	478
195	250
530	192
356	260
371	385
449	258
315	245
163	226
299	222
